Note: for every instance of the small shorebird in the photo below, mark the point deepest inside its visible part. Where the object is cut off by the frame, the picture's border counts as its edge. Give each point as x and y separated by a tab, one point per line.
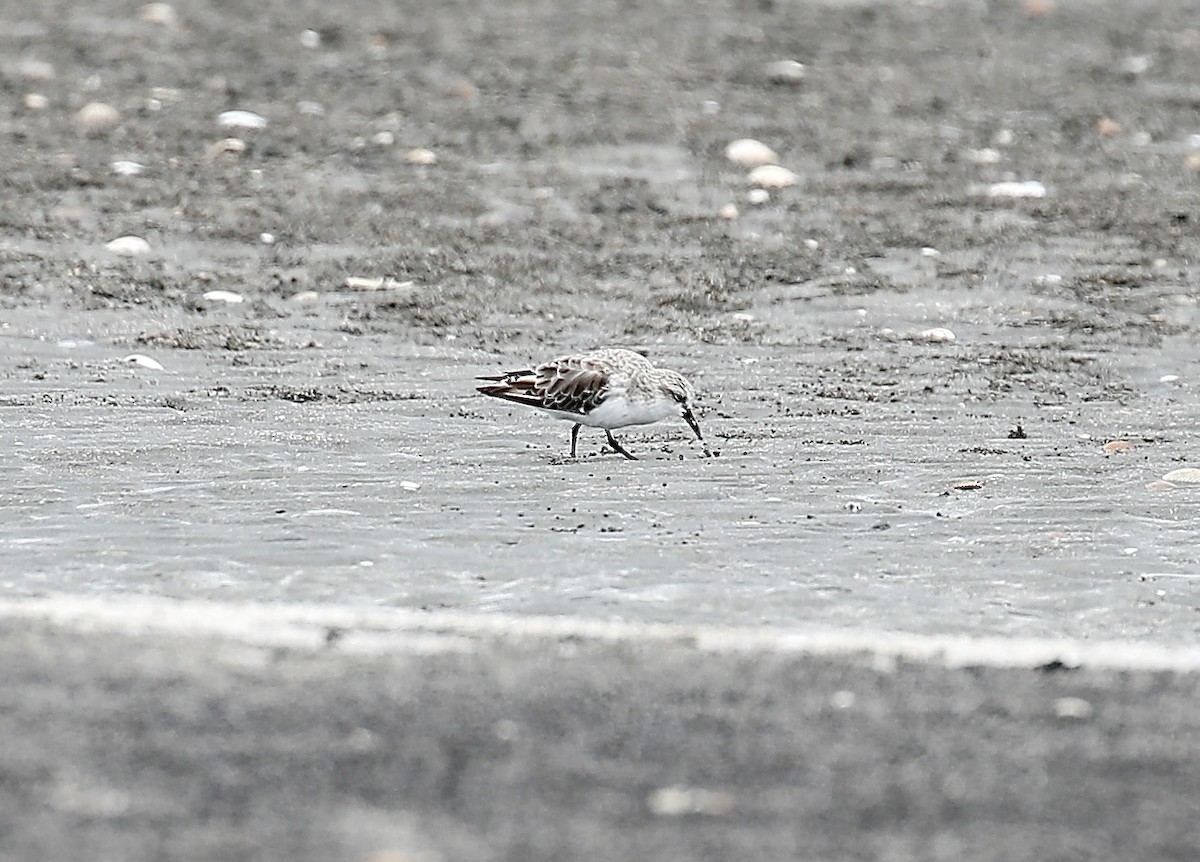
602	389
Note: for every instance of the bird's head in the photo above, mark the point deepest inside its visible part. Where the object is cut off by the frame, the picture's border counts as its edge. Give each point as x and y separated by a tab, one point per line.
676	387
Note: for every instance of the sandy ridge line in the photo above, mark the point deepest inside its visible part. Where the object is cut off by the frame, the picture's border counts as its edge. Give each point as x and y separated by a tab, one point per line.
395	630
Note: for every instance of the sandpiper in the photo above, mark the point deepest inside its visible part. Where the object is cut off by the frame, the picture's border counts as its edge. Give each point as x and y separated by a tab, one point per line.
606	389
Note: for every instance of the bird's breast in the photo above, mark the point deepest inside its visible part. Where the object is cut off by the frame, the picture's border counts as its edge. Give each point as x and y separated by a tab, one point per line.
617	411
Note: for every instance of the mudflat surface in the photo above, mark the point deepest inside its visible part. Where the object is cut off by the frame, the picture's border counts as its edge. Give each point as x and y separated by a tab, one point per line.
574	203
464	746
320	441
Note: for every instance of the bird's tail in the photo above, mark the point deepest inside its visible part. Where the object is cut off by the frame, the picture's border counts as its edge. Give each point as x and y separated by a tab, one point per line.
507	376
513	386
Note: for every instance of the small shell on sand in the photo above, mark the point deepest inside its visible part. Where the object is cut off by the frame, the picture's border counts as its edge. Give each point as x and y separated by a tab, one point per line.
359	282
1117	446
97	117
785	72
750	153
242	120
227	146
167	95
1073	707
984	156
126	168
128	246
1026	189
162	14
143	361
226	296
1137	64
728	212
772	177
936	335
682	801
35	102
421	156
1184	475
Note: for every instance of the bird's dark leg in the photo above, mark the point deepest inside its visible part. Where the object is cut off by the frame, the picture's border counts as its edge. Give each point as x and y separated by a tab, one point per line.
574	437
617	447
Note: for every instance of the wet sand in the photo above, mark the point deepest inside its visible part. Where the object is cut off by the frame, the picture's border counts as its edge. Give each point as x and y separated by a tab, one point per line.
208	732
320	443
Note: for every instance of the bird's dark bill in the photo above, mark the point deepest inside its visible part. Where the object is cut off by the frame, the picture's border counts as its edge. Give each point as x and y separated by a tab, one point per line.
691	420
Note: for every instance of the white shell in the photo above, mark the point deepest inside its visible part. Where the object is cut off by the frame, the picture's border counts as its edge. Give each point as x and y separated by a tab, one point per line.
421	156
1138	64
679	801
144	361
1073	707
242	120
785	72
939	334
1027	189
985	156
383	282
128	246
227	296
126	168
1187	475
159	13
773	177
95	116
750	153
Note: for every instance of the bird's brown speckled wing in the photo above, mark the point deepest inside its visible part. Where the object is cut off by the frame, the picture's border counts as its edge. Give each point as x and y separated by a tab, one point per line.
571	384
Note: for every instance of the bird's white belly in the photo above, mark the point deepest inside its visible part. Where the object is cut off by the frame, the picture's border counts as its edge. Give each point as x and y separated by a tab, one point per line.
617	411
